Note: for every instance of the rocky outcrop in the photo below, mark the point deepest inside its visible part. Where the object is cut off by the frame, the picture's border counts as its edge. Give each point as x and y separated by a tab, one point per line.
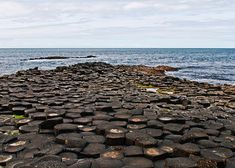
100	115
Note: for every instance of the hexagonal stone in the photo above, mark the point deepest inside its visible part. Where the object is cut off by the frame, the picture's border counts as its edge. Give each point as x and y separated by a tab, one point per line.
83	120
138	120
115	139
66	156
15	147
93	150
122	117
114	153
6	138
65	128
212	132
94	138
140	162
180	162
230	163
139	138
187	149
175	128
83	163
146	141
206	163
213	125
154	153
119	123
136	126
217	154
72	115
207	144
156	133
49	149
173	137
73	140
87	128
24	121
51	164
5	159
115	130
109	163
194	135
50	123
133	151
28	128
18	110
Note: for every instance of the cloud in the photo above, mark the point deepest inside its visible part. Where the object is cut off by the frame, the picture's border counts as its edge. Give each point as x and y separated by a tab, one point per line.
104	22
12	9
135	5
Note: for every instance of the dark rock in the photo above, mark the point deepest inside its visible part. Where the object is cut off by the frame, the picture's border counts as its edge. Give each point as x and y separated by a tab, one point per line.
154	153
28	128
175	128
193	135
218	155
50	123
180	162
73	140
133	151
109	163
140	162
65	128
94	138
187	149
93	150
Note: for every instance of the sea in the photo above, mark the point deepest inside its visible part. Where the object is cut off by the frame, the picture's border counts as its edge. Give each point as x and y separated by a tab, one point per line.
212	65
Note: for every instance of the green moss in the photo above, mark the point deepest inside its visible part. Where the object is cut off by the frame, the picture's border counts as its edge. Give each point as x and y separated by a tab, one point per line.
164	91
19	116
13	133
145	86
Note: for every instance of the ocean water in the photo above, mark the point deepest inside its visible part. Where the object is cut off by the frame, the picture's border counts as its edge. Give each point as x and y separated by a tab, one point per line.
215	66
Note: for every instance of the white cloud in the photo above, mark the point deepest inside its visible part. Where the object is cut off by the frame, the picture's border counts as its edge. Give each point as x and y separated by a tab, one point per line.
11	8
83	21
135	5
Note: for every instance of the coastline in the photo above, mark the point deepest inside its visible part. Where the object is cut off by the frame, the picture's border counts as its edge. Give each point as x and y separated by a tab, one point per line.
113	115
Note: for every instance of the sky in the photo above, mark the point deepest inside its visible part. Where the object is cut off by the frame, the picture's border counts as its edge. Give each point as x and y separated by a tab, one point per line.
117	24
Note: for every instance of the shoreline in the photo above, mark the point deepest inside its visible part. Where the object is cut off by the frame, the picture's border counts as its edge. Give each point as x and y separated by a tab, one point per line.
114	115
